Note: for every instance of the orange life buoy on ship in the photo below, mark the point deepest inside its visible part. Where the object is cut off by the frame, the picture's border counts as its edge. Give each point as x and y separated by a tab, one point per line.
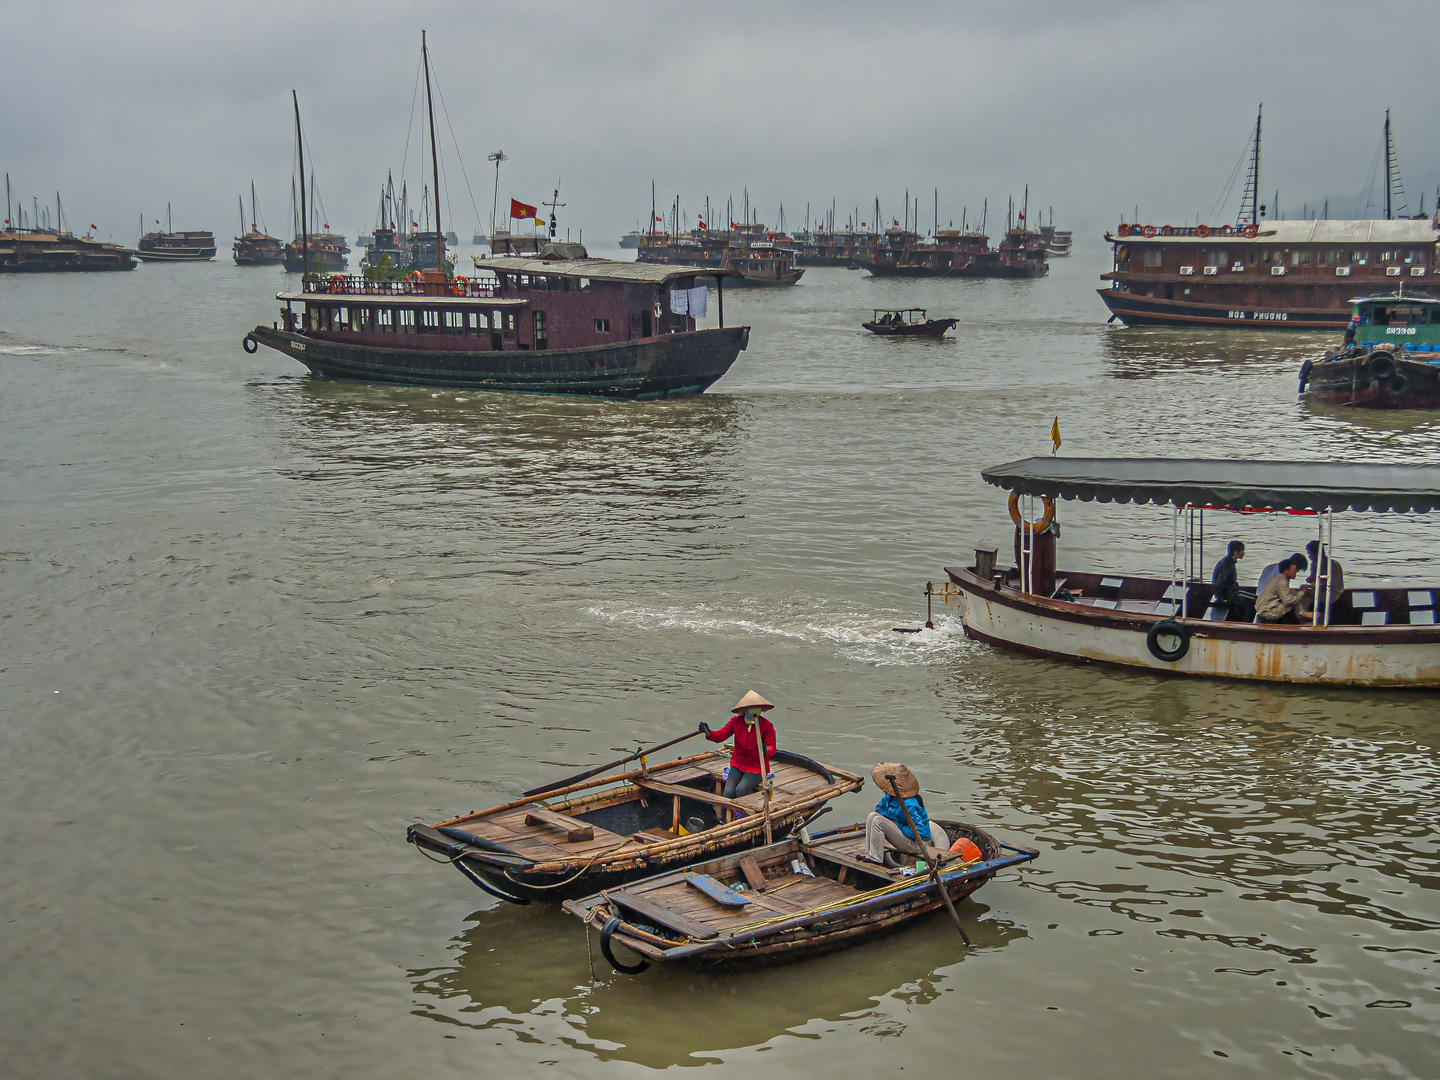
337	283
1225	230
1046	519
1148	231
1123	230
460	285
1250	231
414	276
1202	230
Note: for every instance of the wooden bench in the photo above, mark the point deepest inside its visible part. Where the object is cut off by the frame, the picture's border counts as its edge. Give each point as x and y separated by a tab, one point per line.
681	792
575	831
660	915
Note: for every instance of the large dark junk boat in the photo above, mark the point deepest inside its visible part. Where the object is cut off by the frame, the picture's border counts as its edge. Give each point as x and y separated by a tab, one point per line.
254	247
1297	275
564	324
197	245
35	250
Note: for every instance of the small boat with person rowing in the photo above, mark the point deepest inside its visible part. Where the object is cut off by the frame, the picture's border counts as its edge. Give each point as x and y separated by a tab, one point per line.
604	828
787	901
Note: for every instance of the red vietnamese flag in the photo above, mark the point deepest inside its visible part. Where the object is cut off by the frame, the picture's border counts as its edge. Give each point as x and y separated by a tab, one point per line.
519	209
93	225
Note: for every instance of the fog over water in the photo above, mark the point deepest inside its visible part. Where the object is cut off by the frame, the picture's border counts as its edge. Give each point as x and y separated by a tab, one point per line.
1099	108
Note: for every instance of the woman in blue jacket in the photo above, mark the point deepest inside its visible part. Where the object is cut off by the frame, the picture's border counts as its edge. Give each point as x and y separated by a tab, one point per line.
886	824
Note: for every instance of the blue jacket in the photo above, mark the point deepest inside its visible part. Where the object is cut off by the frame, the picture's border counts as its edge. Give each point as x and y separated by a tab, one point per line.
889	807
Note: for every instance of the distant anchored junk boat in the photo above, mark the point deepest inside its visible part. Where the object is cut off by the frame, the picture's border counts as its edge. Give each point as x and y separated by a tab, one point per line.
34	250
171	246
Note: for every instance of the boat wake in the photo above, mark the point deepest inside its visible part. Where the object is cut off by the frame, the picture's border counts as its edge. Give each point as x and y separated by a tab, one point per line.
862	636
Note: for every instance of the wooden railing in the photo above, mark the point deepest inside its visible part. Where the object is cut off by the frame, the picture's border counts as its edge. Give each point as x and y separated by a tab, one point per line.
351	285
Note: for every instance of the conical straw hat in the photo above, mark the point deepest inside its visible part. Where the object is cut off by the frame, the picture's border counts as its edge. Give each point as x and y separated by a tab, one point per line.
904	779
752	700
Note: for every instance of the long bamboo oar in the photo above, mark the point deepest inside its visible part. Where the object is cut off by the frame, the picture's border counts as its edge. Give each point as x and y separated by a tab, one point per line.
606	768
764	772
934	858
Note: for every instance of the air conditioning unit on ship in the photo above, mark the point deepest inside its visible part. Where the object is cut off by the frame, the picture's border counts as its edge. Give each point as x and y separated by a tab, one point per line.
1211	271
1392	271
1342	271
1186	271
1417	271
1277	271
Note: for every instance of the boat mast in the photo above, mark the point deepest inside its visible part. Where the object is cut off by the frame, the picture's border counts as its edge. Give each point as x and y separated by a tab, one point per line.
1393	183
434	157
241	200
8	222
254	213
1250	201
497	157
304	224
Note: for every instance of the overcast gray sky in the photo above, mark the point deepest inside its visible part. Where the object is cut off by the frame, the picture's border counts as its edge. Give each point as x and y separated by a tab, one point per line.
1098	107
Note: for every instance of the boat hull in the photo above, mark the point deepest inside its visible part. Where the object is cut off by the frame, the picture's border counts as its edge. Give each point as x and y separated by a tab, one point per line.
1408	382
934	328
655	367
1136	310
176	256
1379	656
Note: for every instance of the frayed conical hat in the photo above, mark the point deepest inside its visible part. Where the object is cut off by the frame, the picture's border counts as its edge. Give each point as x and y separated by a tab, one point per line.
904	779
752	700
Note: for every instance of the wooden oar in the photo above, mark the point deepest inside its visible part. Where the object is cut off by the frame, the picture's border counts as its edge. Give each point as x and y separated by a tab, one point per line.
934	859
606	768
764	784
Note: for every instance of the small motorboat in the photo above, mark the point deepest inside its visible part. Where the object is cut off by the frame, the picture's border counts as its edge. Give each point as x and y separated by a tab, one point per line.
1388	358
783	902
907	322
591	832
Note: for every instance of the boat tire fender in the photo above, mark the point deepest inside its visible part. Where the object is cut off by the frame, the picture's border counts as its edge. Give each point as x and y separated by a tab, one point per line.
606	933
1382	365
1047	519
1168	628
250	345
1305	372
485	886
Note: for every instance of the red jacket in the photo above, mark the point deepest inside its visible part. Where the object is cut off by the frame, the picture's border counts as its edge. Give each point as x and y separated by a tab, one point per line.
746	755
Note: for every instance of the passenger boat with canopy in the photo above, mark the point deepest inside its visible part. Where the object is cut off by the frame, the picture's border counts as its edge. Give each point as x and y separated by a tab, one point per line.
1363	635
783	902
571	838
1393	363
907	322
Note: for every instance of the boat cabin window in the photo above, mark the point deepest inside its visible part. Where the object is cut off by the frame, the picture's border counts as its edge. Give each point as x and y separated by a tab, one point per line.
541	282
361	320
1216	258
522	281
510	322
454	322
602	326
1154	256
429	319
582	283
539	329
1359	259
407	320
384	319
1300	258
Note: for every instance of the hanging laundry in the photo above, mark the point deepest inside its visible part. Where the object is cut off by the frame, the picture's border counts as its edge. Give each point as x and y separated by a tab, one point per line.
699	301
680	301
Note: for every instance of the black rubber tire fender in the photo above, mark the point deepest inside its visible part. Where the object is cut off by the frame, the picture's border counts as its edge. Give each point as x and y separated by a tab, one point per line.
606	933
1168	628
1382	364
249	344
1305	372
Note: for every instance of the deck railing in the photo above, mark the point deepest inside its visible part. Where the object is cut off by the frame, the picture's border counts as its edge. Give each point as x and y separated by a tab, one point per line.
351	285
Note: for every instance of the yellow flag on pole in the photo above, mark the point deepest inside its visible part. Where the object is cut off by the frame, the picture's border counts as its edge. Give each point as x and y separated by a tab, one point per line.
1055	435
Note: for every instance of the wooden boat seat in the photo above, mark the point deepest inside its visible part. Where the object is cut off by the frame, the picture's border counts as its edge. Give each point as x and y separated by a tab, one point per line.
840	858
697	794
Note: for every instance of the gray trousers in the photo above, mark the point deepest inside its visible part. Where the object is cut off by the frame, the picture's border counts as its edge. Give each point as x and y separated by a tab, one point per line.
880	830
739	784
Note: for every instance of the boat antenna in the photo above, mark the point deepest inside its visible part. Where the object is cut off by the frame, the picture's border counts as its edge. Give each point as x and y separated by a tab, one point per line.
304	224
1250	200
553	203
497	157
434	157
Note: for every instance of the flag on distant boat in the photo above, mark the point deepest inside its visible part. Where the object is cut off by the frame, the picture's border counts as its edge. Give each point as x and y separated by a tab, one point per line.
1055	435
94	226
519	209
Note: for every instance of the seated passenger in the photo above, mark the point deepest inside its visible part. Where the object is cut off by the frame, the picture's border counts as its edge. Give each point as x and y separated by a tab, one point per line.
1239	604
886	827
1335	586
1274	568
1277	602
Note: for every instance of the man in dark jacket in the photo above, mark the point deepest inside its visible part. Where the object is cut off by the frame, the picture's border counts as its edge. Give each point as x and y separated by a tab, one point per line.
1334	586
1239	604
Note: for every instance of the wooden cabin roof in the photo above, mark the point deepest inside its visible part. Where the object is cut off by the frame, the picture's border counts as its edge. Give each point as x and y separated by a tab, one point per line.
635	273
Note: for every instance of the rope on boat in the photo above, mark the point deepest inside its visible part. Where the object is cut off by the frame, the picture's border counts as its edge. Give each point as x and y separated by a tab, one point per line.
572	877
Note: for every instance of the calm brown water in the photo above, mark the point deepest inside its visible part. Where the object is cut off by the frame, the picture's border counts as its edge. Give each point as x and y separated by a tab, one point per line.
254	624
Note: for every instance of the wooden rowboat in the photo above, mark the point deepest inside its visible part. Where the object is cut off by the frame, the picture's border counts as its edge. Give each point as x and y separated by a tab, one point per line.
759	907
911	322
603	832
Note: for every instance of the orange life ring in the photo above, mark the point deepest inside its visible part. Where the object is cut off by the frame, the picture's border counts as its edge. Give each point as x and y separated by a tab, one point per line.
414	276
337	283
1225	230
1123	230
1202	230
1046	519
459	285
1250	231
1148	231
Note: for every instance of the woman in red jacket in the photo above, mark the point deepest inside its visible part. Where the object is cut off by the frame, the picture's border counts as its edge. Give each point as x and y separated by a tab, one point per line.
745	765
